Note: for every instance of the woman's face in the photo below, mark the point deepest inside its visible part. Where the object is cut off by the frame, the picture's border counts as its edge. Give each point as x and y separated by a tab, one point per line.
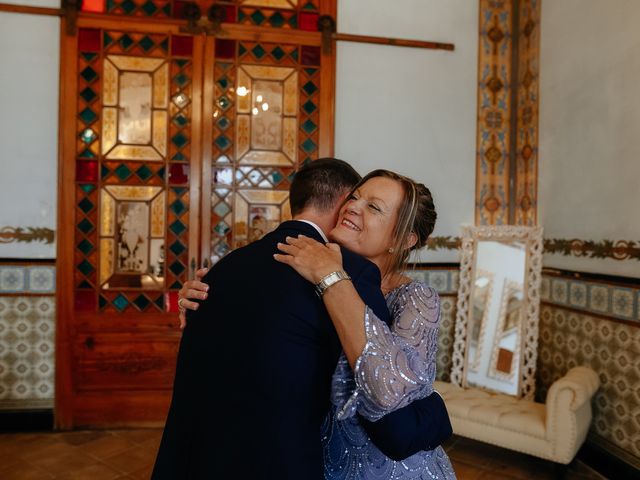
367	220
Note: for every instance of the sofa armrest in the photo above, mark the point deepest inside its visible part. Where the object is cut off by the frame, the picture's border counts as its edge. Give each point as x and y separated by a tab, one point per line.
568	410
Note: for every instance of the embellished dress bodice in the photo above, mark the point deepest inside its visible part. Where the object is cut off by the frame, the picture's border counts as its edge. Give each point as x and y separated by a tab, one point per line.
396	367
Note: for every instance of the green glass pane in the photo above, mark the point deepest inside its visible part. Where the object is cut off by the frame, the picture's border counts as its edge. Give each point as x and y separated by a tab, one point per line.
221	228
293	22
106	38
176	268
86	153
179	140
181	79
257	17
164	45
128	6
88	116
159	301
294	54
177	227
87	187
88	135
221	209
176	285
276	20
242	50
177	248
85	226
310	88
104	171
308	145
311	71
308	126
85	205
88	95
89	56
85	284
89	74
125	40
85	267
223	82
120	302
149	8
102	302
85	246
221	249
309	107
179	191
146	43
178	207
160	172
179	157
278	53
223	123
224	102
258	51
180	120
181	63
141	302
309	6
276	177
144	172
222	142
122	172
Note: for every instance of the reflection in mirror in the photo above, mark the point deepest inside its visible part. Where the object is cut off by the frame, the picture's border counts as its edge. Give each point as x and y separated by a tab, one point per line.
498	304
504	263
482	289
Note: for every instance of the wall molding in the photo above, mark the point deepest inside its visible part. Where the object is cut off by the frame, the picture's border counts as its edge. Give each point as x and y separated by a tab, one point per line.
27	235
614	249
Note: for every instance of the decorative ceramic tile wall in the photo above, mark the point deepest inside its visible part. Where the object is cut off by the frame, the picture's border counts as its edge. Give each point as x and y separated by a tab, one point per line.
611	348
27	333
592	297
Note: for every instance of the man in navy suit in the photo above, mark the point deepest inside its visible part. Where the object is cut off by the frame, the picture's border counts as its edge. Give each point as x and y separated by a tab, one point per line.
255	363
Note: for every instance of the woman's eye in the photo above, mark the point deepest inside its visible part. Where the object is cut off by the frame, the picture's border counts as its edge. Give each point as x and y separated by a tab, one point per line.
352	197
373	206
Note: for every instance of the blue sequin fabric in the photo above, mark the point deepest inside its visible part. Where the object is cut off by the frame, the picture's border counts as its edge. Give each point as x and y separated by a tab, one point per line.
397	366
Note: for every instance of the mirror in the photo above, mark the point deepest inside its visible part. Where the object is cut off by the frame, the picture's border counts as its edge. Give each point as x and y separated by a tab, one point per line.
498	305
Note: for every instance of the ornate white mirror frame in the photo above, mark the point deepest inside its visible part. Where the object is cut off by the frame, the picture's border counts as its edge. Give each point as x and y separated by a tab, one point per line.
531	238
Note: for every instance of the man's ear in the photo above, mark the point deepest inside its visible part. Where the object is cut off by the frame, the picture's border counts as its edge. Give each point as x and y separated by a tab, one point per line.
412	239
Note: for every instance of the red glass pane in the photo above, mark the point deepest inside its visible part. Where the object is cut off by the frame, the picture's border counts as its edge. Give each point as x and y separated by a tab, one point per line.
178	9
308	21
181	46
86	171
310	55
171	302
85	301
92	6
178	173
89	40
225	48
230	14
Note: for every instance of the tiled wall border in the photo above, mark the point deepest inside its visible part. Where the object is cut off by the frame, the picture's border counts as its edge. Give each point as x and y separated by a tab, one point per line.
605	299
27	278
27	234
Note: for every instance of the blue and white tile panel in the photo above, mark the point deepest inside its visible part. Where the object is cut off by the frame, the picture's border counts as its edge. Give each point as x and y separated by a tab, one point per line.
40	279
592	297
444	281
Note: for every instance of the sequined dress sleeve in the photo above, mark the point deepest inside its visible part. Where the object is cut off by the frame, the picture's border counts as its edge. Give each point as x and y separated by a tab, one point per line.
398	363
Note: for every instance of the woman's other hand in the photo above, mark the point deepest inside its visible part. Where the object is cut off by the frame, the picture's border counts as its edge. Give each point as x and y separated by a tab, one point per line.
310	258
192	289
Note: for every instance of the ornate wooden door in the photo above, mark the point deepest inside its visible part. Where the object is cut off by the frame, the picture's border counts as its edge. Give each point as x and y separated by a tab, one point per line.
178	144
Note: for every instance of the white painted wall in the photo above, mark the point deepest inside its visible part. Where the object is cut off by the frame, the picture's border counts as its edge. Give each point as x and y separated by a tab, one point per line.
589	185
29	78
410	110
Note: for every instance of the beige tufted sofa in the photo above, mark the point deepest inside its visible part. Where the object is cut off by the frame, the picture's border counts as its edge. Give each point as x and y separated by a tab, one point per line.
554	430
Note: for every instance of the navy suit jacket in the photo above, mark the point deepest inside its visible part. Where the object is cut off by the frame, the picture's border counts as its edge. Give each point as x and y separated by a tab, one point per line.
254	370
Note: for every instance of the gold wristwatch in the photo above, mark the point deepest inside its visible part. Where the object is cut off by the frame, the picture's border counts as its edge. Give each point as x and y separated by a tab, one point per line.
333	277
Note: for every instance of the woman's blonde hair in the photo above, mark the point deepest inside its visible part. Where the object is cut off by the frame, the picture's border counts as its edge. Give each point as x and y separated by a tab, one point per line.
416	215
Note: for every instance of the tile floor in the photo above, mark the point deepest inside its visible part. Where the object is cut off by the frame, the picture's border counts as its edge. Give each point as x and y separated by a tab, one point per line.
129	454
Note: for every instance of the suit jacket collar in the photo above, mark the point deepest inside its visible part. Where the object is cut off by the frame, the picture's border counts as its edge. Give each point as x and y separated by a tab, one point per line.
302	228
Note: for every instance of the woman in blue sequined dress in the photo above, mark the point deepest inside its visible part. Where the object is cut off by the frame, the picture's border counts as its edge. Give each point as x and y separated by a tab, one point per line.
383	368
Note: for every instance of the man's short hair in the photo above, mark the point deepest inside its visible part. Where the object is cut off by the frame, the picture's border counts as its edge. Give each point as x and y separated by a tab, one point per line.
320	184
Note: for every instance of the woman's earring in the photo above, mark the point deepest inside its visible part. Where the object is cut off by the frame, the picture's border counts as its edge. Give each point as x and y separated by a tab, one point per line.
390	250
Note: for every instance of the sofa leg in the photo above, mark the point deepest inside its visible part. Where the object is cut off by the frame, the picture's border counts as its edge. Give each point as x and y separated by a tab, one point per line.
560	470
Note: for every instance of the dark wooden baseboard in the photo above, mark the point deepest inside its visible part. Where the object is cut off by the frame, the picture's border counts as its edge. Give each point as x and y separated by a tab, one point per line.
26	420
608	459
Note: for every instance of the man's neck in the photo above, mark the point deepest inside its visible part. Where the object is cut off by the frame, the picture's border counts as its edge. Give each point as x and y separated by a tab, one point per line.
324	221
